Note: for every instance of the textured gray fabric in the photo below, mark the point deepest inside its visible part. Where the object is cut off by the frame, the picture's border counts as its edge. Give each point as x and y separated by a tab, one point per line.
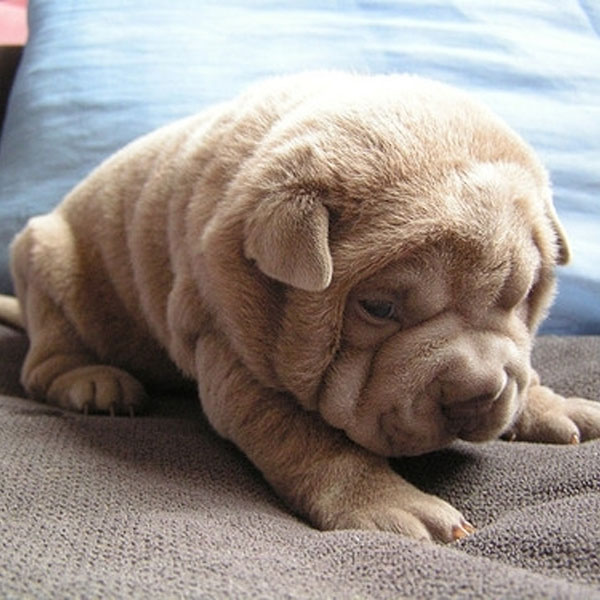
159	506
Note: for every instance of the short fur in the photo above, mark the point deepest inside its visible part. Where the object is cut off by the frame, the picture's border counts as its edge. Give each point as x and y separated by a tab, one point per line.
351	267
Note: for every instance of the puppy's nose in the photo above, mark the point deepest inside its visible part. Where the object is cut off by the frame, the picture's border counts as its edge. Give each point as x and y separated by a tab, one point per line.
471	394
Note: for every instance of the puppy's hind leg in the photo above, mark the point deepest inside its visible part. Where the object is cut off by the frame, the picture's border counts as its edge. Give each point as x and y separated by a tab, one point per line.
59	367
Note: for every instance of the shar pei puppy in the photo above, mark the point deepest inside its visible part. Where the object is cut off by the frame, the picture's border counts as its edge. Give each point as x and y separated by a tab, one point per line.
350	267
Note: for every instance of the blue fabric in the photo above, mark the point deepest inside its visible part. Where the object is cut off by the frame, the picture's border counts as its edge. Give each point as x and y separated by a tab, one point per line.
97	74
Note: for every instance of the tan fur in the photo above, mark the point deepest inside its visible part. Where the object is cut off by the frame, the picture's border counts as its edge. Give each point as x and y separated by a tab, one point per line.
243	248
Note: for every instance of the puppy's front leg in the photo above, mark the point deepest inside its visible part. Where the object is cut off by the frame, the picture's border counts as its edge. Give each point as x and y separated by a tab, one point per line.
549	417
321	474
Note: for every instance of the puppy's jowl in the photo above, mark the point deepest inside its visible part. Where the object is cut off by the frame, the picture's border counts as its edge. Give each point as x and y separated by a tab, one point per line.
350	267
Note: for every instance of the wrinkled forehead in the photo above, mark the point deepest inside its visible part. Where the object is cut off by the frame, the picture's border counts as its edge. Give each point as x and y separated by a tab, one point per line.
486	220
489	246
463	267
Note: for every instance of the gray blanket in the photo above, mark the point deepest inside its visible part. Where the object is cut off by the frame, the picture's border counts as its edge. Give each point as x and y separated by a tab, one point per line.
159	506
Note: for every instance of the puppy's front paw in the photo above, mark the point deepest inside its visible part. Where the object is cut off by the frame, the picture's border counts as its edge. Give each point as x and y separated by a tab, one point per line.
548	417
98	388
378	498
425	518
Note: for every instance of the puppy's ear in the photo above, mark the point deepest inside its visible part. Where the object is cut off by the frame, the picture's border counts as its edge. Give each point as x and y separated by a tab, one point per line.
288	237
564	249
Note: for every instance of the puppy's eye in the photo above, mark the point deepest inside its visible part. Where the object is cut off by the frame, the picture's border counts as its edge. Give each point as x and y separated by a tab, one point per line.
381	310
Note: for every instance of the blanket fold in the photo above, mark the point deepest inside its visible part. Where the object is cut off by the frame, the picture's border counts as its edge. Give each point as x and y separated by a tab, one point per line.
160	506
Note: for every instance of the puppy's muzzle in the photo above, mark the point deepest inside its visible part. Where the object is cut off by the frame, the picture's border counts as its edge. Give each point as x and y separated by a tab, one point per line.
469	395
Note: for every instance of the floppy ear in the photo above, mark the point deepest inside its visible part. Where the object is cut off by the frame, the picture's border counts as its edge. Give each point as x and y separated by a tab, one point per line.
288	237
564	250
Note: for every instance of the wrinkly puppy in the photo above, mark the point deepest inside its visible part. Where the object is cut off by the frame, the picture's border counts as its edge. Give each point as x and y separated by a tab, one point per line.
350	267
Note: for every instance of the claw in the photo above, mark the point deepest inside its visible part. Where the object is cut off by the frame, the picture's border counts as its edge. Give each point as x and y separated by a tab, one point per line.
574	439
462	531
468	527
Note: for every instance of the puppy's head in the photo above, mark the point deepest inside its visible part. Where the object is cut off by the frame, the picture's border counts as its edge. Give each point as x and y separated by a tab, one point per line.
410	241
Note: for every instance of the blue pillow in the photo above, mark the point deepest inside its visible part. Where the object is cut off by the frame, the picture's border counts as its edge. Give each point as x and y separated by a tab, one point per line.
99	73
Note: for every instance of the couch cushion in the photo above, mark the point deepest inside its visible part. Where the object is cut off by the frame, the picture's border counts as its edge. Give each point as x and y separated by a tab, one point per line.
99	73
